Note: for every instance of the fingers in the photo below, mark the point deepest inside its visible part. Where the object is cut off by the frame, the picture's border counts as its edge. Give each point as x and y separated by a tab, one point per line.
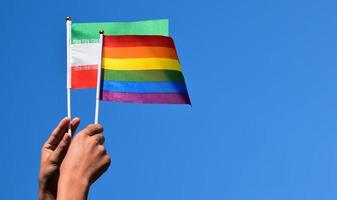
99	138
58	133
74	124
93	129
104	165
57	156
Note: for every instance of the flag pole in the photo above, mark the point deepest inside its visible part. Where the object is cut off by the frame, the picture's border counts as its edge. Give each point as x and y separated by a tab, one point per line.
99	70
68	24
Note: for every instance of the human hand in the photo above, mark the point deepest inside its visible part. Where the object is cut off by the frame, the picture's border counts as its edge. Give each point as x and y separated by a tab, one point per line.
52	154
85	162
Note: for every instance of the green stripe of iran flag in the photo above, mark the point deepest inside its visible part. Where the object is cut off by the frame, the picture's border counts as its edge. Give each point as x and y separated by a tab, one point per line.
88	32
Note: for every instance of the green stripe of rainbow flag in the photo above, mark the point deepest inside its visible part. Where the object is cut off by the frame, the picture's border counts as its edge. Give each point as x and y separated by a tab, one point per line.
143	75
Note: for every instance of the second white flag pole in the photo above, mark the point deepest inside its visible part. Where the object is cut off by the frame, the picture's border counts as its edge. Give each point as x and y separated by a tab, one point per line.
99	72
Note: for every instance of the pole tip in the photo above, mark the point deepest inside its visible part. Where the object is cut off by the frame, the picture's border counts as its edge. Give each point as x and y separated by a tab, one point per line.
101	32
68	18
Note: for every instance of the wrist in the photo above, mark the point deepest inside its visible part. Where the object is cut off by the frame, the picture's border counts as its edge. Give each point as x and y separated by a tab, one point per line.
72	187
46	195
47	191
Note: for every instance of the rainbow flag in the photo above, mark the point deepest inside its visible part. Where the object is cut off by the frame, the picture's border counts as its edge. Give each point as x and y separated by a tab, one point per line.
85	47
142	69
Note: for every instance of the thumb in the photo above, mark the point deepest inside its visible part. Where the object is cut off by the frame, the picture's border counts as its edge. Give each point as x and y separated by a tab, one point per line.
57	156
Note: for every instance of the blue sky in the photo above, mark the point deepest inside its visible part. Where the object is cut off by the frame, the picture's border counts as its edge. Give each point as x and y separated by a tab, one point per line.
261	77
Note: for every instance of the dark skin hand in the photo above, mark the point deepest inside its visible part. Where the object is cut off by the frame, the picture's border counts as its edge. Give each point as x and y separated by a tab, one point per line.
86	160
52	154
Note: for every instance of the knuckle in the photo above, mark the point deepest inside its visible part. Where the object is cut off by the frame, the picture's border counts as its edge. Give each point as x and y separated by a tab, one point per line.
101	149
98	128
101	128
67	138
94	128
62	145
108	160
89	129
100	138
90	126
52	160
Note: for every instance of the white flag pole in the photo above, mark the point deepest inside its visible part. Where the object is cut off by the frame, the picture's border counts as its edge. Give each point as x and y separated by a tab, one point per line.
68	23
99	70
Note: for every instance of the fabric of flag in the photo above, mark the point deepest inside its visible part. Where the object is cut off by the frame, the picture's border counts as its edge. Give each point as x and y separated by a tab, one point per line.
85	47
142	69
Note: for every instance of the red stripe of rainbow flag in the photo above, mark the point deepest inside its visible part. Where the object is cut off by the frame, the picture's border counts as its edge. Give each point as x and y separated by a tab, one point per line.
142	69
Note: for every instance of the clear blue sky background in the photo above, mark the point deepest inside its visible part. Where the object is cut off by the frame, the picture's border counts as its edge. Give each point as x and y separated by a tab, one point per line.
261	76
